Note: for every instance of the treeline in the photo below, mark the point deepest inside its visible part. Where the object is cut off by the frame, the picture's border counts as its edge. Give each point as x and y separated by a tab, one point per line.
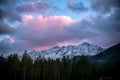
13	68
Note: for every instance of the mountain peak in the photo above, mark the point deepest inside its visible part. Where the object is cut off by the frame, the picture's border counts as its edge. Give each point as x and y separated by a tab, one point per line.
84	43
88	44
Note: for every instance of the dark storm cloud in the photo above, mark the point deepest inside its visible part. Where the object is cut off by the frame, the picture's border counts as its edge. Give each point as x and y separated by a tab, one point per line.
108	26
104	5
10	15
108	20
5	29
76	7
8	2
111	7
7	10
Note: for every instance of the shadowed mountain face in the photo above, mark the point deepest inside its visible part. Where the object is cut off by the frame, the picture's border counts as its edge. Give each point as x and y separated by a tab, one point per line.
112	53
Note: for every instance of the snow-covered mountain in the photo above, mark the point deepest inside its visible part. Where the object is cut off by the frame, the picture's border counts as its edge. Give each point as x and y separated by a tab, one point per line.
70	50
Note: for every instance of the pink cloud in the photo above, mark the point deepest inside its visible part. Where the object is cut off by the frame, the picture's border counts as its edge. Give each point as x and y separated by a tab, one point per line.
41	24
43	30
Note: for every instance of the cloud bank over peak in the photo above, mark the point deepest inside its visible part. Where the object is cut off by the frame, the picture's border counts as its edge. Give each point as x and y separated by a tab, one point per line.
33	24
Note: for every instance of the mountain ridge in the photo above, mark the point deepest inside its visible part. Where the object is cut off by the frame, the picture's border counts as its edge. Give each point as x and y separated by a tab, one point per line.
84	48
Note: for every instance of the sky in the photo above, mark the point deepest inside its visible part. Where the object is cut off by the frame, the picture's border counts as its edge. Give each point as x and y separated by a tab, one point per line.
42	24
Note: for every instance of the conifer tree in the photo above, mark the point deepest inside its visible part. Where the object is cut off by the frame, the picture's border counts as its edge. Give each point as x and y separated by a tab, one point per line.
13	66
26	67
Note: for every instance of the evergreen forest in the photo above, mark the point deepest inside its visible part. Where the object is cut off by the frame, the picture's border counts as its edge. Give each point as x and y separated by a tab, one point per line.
80	68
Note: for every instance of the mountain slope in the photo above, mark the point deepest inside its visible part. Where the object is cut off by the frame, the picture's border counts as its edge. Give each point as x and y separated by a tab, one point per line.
112	53
70	50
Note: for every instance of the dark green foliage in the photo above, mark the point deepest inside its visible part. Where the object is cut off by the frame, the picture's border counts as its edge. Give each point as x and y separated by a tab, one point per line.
82	70
26	65
12	68
3	68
